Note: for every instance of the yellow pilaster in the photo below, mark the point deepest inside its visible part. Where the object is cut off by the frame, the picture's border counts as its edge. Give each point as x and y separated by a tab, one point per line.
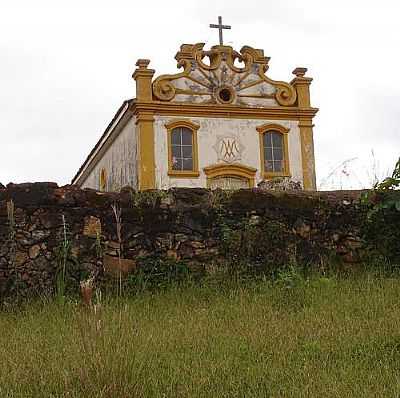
307	154
146	157
145	129
302	86
143	76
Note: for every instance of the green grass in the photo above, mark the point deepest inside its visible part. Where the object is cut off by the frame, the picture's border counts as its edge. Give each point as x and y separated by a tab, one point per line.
323	338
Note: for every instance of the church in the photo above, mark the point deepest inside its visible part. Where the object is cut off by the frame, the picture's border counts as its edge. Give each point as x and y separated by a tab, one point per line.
220	122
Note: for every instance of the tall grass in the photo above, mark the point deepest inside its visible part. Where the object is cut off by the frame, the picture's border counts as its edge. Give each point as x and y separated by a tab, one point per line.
325	337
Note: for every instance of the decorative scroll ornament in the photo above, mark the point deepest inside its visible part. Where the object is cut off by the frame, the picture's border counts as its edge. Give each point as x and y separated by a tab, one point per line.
222	75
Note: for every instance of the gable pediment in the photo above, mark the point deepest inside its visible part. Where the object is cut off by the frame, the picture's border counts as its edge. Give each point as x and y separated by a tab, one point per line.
223	76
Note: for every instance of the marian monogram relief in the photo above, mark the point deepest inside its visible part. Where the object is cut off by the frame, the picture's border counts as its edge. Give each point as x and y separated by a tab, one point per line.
229	149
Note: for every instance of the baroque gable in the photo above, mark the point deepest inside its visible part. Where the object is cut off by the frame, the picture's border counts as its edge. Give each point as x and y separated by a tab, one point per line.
223	76
219	122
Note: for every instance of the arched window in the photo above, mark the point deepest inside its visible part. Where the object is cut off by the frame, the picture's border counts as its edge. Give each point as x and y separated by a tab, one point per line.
274	150
103	179
182	149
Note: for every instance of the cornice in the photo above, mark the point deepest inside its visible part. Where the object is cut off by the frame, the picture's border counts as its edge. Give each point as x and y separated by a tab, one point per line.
223	111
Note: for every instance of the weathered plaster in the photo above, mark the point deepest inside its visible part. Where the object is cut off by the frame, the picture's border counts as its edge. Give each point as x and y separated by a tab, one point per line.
202	89
210	129
119	161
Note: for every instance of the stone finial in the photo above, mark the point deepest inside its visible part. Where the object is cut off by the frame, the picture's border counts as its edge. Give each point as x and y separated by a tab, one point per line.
143	76
142	63
301	84
299	72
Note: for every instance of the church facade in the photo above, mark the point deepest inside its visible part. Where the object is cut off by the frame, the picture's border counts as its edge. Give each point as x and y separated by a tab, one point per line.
219	122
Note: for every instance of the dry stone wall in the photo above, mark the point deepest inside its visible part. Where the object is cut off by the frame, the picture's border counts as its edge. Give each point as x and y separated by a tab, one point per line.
42	224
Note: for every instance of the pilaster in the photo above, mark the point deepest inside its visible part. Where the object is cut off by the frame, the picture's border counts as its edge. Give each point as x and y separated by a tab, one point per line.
145	130
146	148
302	86
143	77
307	154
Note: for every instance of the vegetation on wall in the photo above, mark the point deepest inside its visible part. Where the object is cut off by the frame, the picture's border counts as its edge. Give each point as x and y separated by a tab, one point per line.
381	228
155	237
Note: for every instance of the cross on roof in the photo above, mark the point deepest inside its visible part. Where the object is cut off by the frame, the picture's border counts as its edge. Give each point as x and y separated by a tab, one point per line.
220	27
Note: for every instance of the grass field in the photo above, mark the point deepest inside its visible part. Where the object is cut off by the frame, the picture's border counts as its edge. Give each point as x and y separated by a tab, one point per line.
319	338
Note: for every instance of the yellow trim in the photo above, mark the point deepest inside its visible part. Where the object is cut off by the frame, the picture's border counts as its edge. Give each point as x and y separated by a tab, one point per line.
234	170
143	77
193	127
180	109
302	86
103	179
265	128
146	159
193	54
307	154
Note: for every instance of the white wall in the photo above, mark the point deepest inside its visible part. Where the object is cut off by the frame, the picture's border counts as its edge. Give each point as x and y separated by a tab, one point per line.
210	128
256	95
119	161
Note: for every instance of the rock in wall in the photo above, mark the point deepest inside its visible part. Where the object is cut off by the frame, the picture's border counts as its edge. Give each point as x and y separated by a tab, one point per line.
43	226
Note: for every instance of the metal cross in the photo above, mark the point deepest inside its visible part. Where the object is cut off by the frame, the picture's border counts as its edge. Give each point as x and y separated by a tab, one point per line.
220	27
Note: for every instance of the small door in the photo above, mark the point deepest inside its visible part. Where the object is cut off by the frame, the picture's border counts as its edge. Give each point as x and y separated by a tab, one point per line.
229	182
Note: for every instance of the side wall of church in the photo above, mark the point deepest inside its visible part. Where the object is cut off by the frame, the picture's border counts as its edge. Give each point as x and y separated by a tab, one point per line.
212	129
119	162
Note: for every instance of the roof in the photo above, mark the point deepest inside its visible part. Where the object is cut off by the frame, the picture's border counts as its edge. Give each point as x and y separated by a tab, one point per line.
99	142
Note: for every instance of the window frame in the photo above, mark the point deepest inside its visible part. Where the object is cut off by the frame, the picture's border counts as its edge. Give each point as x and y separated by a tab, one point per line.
273	127
235	170
103	177
195	169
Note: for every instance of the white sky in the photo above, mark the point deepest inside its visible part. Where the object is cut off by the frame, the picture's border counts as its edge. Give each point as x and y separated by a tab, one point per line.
66	66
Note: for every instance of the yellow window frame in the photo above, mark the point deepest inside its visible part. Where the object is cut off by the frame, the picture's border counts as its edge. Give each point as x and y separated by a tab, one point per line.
274	127
103	179
193	127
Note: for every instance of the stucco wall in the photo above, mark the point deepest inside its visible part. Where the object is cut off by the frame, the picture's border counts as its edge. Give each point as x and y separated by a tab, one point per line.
210	129
257	95
119	161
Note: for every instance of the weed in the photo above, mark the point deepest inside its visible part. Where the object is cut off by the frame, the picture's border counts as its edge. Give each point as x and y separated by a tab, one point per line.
382	203
148	198
158	273
118	223
64	250
99	247
321	339
12	233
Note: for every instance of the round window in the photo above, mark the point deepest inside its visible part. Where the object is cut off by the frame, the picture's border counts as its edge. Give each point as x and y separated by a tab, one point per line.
225	95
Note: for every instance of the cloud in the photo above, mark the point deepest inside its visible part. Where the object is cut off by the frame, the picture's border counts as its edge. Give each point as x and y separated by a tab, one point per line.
66	67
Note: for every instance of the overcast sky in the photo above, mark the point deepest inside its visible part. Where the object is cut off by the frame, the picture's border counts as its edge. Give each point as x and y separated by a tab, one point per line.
66	66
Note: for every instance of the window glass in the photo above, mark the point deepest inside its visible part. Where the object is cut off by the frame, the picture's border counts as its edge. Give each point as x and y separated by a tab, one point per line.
267	140
278	154
176	163
176	137
276	139
273	152
176	151
182	149
187	164
277	165
186	136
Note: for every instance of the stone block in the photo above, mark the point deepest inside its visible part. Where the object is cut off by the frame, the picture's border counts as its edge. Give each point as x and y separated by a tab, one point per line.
20	258
34	251
92	226
115	266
